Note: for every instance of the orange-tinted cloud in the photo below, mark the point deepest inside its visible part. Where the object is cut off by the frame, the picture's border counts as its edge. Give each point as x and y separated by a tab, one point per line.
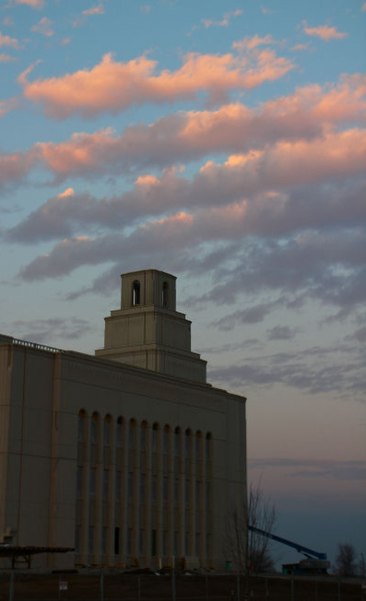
296	162
324	32
15	167
94	10
114	86
265	191
6	58
32	3
225	21
5	107
6	40
44	27
308	113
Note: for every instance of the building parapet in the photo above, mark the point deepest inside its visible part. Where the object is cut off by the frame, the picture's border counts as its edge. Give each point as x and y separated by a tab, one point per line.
26	343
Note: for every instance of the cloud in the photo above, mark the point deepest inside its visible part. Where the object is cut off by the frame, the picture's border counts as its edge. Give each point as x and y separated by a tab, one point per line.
44	27
281	333
66	193
314	370
328	268
266	11
250	315
94	10
88	12
225	21
14	167
6	58
187	136
114	86
6	40
289	187
5	107
324	32
360	335
32	3
254	42
42	330
310	468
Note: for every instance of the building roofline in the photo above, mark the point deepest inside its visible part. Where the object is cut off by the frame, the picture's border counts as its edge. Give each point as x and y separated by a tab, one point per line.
114	365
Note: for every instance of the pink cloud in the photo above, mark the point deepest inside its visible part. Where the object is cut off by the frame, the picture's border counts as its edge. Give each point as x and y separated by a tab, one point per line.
324	32
254	42
31	3
296	162
267	191
6	58
66	193
112	86
15	167
307	113
95	10
225	21
44	27
6	40
187	231
80	154
5	107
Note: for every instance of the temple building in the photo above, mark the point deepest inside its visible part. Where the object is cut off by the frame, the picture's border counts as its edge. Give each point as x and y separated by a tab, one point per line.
129	456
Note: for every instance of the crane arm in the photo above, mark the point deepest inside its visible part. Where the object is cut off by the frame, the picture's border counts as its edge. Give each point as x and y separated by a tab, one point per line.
300	548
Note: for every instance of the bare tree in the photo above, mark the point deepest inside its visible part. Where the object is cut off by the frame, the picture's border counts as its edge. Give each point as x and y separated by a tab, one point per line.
262	515
236	538
249	551
362	566
345	563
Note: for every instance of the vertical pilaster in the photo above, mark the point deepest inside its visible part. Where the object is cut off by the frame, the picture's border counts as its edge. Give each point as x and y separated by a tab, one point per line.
170	508
123	514
98	524
84	496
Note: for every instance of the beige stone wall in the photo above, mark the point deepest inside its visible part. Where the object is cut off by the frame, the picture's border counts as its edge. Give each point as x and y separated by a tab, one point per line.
40	405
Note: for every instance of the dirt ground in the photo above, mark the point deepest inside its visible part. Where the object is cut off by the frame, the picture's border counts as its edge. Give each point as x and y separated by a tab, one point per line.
143	587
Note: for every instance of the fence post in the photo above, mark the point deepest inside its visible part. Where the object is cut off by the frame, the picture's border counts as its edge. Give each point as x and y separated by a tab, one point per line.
101	585
11	586
173	582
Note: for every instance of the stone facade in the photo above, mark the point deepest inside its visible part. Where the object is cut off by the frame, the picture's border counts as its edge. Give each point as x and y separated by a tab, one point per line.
128	456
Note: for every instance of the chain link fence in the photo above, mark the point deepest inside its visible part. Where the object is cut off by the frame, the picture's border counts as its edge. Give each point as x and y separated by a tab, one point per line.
104	586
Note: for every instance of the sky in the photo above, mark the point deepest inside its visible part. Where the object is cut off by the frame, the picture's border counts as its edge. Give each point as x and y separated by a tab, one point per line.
224	142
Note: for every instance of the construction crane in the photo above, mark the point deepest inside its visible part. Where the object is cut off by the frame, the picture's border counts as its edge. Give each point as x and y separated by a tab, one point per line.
315	562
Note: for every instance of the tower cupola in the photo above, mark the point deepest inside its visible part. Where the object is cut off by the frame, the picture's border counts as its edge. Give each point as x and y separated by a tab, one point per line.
148	332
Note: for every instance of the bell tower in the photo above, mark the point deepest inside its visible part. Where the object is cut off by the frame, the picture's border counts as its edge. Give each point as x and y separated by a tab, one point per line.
148	332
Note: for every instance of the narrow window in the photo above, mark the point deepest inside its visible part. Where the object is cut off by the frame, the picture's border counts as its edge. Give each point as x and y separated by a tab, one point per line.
81	426
136	293
91	539
79	481
153	543
116	540
164	295
77	538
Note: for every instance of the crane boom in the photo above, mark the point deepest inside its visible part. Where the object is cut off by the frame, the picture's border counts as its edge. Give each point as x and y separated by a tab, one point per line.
300	548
